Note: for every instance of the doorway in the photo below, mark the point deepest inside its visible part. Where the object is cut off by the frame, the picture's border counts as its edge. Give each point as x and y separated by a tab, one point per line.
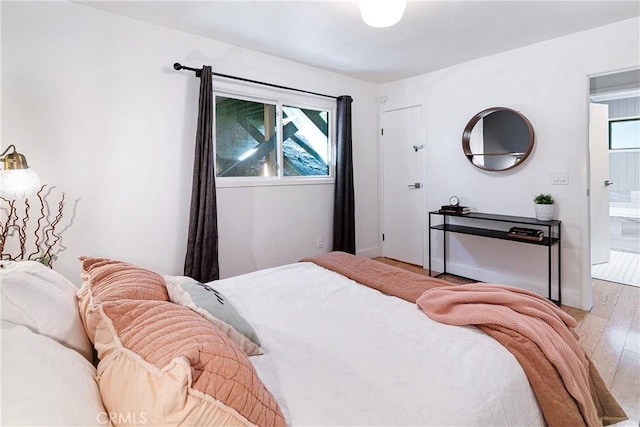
616	257
403	218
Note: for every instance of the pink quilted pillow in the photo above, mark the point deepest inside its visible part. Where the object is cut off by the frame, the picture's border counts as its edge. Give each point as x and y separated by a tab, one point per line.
166	363
110	280
105	280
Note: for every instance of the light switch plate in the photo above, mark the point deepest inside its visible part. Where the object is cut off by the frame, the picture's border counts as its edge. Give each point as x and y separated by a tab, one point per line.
560	177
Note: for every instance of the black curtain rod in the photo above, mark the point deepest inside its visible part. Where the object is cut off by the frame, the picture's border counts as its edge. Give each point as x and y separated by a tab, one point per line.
178	66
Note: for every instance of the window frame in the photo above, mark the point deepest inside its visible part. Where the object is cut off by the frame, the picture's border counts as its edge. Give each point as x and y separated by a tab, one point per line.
279	98
618	120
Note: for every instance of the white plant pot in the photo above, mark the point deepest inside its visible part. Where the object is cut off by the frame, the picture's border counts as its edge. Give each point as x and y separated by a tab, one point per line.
544	212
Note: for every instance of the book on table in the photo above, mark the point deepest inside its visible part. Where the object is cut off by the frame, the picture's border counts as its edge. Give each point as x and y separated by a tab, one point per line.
526	233
452	209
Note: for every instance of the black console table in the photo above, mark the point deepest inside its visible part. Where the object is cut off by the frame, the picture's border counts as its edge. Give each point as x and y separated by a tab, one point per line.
488	228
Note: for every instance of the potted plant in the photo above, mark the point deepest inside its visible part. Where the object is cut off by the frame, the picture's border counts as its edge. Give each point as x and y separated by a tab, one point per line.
544	206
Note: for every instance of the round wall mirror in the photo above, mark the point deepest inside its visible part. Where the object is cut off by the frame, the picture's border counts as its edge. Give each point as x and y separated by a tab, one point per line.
497	139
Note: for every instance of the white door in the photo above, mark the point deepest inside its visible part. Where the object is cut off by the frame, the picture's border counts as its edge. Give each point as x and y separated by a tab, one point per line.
599	182
403	185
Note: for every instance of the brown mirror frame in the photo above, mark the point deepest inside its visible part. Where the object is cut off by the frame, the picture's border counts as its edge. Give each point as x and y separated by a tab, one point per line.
519	156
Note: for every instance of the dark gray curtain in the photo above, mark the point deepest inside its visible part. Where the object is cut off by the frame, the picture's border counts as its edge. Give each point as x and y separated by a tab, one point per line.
344	223
201	261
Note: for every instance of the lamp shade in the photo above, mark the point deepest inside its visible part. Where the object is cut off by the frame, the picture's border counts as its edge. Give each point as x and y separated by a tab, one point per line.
382	13
18	183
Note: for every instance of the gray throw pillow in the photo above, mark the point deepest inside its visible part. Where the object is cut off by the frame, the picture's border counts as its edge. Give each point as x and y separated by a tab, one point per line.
214	302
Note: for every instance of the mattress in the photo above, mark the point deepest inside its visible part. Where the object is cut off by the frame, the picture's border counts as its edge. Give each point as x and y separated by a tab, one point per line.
340	353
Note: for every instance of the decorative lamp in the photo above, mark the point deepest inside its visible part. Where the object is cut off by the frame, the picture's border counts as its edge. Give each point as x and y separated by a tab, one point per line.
382	13
17	180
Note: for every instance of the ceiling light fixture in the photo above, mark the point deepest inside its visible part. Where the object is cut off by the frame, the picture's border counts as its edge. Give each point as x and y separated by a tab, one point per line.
382	13
17	180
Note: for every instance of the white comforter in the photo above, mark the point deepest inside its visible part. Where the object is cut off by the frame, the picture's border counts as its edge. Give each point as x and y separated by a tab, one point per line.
340	353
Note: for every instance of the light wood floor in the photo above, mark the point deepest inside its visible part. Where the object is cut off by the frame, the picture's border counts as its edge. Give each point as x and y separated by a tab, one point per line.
609	333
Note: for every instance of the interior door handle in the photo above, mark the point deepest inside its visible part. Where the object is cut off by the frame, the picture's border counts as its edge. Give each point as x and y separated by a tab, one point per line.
414	186
607	183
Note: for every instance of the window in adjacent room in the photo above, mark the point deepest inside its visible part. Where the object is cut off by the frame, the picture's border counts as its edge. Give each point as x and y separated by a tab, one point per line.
624	134
271	141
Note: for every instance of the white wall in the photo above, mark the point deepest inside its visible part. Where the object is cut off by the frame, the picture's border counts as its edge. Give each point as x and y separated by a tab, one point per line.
547	82
93	102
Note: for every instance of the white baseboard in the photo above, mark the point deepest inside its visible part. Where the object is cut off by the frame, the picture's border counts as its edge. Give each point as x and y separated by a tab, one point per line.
570	297
376	251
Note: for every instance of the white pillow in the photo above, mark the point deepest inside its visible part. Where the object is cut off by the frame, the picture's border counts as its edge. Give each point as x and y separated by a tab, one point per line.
44	301
215	307
45	383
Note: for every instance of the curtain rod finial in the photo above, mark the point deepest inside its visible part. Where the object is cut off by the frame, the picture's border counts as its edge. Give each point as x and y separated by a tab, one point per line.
177	66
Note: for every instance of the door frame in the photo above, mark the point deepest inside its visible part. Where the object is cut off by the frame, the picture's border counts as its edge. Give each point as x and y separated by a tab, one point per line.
587	288
423	176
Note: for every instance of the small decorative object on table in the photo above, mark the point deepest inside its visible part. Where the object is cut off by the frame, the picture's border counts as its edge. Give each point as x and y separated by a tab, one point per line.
454	207
544	206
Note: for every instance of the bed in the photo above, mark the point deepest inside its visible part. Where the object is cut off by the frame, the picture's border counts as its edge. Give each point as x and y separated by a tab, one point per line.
312	346
344	354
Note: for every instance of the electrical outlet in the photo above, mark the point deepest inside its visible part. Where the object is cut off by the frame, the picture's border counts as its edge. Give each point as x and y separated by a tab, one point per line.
320	242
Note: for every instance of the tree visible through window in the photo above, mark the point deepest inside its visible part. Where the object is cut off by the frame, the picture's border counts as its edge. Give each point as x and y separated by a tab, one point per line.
249	136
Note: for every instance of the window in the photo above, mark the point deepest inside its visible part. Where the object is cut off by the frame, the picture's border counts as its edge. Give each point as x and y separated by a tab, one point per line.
271	140
624	134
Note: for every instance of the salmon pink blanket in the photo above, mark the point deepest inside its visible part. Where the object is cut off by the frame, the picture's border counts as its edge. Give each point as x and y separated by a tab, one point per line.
526	324
540	335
